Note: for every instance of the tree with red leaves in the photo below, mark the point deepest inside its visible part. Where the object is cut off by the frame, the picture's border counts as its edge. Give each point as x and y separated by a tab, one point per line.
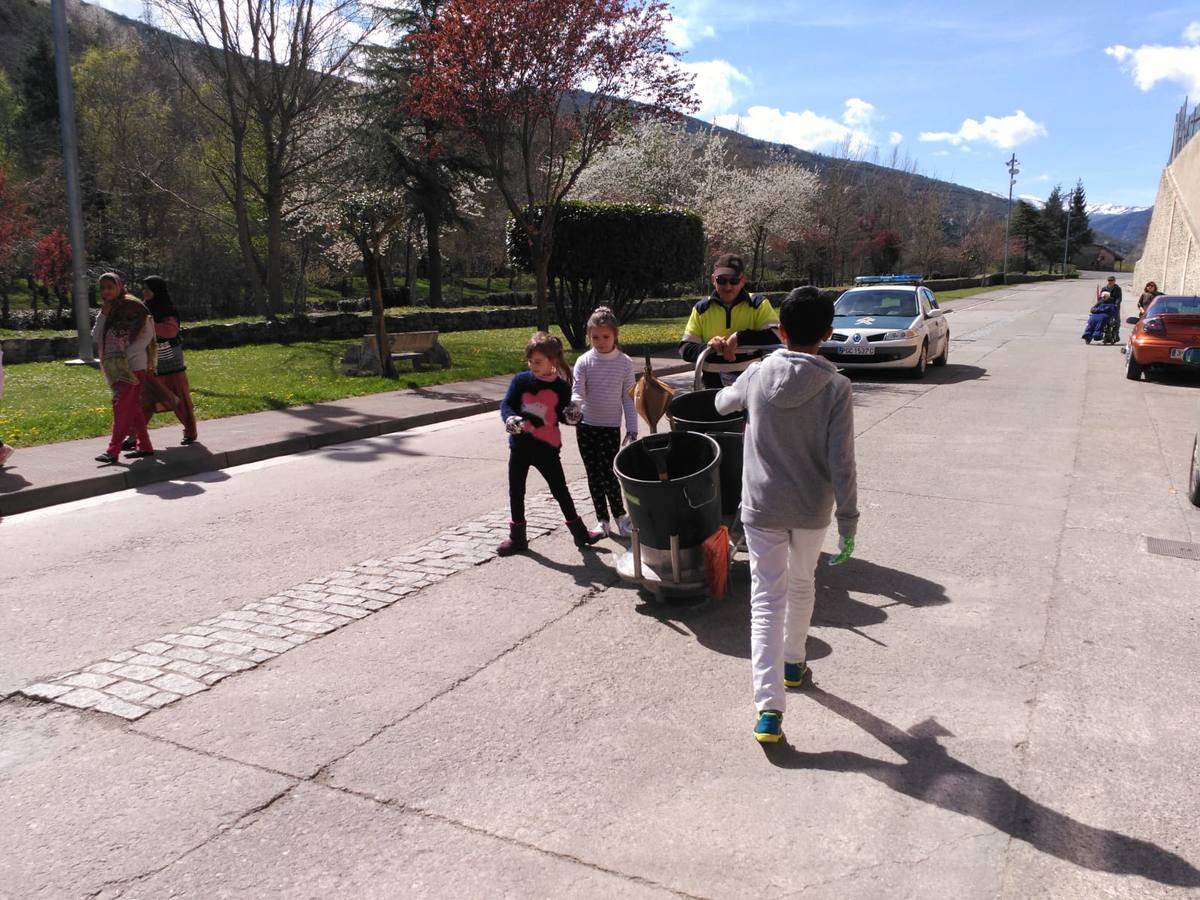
15	229
540	86
52	265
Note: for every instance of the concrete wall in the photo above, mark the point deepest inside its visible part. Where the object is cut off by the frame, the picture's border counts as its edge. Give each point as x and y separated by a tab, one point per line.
1171	258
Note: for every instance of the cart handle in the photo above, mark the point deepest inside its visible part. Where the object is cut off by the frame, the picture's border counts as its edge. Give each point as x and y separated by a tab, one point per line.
740	365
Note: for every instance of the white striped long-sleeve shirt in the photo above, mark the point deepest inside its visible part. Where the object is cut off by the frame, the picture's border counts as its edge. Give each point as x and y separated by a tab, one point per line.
602	385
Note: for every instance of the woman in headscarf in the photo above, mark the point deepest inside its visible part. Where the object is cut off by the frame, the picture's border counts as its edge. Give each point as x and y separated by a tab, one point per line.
170	382
124	334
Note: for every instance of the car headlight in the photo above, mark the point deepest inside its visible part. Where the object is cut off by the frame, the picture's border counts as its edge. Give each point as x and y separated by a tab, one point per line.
900	335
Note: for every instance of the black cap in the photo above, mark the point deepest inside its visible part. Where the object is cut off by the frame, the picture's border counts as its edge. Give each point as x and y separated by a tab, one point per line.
729	264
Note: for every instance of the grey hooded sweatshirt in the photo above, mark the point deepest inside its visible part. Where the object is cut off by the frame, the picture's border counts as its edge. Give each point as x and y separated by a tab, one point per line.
799	445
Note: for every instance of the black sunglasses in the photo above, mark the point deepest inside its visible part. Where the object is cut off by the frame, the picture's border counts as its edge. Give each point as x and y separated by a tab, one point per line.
728	279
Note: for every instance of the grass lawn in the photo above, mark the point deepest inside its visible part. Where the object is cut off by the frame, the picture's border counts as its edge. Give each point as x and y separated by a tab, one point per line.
49	402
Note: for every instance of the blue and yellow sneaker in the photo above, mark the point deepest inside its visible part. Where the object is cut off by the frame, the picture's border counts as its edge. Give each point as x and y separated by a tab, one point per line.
770	726
796	674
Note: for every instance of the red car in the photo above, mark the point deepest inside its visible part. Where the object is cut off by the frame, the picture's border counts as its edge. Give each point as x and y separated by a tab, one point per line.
1169	327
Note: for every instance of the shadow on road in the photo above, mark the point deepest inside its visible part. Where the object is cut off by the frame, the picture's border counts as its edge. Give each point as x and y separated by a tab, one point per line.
930	774
725	626
175	490
11	482
951	373
594	570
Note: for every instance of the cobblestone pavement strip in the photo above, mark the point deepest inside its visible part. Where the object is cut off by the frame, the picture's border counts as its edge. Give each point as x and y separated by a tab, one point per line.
131	683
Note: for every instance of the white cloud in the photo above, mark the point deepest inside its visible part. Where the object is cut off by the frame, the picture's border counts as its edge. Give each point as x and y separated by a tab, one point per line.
717	84
684	31
806	130
1004	132
859	113
1152	63
895	137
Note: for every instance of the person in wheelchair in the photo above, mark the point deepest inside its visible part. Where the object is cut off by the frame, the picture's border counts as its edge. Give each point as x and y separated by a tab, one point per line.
1104	320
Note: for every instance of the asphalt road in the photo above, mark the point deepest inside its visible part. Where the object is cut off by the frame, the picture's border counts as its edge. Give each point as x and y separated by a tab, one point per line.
1007	679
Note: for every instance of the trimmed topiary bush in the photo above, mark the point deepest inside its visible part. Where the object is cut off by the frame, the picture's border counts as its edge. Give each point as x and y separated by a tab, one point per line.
612	254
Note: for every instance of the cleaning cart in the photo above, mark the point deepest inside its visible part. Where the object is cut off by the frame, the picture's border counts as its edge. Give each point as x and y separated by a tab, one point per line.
683	490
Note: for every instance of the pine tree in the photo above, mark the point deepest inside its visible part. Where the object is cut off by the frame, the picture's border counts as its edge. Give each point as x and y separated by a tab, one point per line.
1081	230
38	120
1049	242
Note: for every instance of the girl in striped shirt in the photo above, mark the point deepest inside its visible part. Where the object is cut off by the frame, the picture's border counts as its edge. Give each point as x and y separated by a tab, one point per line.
603	380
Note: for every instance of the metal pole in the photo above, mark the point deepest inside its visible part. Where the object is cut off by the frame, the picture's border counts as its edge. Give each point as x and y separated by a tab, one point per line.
1067	241
1012	179
66	117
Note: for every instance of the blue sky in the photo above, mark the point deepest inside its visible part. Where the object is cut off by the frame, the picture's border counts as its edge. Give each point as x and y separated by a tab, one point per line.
1075	90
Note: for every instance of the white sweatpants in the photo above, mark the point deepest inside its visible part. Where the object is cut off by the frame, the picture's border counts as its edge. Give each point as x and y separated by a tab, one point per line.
782	591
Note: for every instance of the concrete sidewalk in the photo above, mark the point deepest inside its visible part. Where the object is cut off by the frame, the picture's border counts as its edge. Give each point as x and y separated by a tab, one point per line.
61	473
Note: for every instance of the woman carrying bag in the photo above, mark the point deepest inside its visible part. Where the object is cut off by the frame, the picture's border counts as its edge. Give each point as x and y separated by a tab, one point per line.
124	334
170	391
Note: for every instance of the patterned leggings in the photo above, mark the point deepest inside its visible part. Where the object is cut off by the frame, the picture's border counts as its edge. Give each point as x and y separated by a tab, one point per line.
598	446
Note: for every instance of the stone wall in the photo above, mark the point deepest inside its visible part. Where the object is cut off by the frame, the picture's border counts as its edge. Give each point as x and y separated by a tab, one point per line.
1171	258
332	326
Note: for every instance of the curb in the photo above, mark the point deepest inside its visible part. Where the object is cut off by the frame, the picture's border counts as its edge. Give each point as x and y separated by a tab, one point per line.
34	498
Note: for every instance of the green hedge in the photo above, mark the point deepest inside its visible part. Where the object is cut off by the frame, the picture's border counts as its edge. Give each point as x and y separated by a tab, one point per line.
612	254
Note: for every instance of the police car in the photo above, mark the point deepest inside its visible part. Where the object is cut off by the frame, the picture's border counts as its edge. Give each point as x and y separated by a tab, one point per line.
888	322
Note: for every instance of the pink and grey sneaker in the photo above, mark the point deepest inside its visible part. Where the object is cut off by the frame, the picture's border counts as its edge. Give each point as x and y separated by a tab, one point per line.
6	451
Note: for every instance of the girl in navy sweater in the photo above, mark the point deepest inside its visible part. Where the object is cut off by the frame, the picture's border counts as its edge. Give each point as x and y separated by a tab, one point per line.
536	402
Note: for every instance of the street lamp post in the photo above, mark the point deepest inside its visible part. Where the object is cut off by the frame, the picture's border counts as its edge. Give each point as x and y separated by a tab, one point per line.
66	116
1012	179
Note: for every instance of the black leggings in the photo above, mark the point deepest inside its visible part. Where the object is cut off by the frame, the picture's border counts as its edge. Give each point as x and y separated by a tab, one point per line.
525	452
598	446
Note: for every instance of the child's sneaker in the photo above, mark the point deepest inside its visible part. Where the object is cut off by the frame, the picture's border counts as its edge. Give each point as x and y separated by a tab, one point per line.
770	726
602	526
6	450
624	527
796	674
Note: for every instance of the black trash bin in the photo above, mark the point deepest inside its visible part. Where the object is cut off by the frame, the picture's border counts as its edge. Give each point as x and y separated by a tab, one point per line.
697	412
688	504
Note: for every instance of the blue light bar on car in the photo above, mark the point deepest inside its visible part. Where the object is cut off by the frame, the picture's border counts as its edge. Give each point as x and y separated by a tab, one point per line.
888	279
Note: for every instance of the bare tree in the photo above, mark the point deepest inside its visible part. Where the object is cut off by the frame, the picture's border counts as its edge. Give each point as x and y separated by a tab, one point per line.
265	73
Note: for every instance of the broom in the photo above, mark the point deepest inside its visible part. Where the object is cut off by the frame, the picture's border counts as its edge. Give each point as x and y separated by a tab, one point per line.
716	562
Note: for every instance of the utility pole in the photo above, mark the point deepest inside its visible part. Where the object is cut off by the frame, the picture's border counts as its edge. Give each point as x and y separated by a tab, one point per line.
66	118
1012	179
1067	241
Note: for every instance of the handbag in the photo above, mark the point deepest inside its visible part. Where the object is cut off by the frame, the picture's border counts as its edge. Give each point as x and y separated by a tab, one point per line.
116	369
159	396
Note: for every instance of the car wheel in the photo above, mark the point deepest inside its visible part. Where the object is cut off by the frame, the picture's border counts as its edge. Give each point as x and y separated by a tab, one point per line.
918	371
945	357
1132	370
1194	475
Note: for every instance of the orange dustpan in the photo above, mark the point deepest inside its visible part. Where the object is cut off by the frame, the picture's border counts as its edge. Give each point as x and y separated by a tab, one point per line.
716	563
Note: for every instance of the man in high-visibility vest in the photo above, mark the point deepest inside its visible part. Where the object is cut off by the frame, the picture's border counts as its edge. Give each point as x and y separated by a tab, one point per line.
728	319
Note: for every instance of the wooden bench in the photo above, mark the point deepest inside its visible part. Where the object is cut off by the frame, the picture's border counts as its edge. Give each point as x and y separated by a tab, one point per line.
417	346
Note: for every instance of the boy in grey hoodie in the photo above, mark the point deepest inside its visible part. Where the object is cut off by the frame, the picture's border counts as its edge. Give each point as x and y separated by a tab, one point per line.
798	463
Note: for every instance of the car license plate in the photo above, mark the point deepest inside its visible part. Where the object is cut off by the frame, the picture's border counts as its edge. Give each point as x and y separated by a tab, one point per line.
859	351
1177	352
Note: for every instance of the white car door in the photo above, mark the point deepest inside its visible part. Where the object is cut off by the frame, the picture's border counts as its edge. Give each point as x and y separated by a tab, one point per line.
936	325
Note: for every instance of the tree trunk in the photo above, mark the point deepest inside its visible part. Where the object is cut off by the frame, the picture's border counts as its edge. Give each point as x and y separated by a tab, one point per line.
371	267
541	275
433	246
274	244
408	282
